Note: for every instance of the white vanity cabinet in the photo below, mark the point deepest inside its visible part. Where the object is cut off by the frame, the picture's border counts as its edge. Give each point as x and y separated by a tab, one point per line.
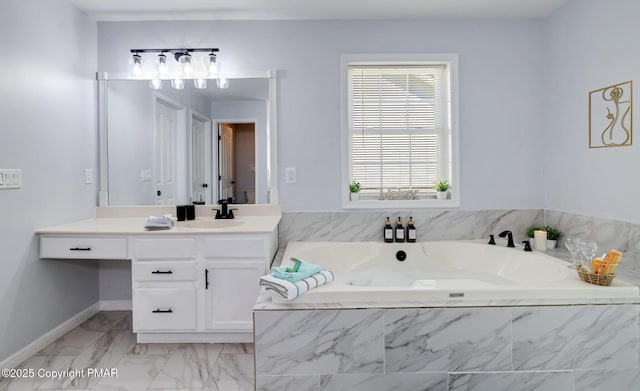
198	289
234	265
164	284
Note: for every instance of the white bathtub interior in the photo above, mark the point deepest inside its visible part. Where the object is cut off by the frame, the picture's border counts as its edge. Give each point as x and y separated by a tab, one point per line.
443	270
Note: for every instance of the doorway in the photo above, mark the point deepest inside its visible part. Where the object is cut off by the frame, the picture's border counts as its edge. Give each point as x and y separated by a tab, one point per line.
237	161
168	133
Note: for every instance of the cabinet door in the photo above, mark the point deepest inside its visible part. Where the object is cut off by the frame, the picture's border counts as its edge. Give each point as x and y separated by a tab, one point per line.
231	293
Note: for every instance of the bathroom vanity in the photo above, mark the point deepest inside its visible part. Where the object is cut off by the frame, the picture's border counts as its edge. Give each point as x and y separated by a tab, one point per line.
196	282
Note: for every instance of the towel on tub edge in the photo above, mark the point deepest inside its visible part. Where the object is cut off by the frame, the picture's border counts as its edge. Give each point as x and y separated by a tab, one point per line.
290	290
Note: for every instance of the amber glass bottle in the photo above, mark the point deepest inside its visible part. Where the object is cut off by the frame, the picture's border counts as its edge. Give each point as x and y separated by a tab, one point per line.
387	232
411	231
399	231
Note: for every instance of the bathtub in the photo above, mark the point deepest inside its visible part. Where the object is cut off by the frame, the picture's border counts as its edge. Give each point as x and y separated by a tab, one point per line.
443	270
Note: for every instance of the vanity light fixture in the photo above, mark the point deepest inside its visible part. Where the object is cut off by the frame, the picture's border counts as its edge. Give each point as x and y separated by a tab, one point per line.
212	64
136	65
200	84
188	68
155	84
161	65
222	82
177	84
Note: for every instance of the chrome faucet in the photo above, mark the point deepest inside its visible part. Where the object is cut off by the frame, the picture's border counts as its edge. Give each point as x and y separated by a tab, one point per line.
224	212
509	236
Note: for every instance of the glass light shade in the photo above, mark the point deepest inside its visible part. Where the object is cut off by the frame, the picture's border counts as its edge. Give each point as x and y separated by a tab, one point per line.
155	84
200	84
222	83
177	84
212	64
136	65
161	65
185	63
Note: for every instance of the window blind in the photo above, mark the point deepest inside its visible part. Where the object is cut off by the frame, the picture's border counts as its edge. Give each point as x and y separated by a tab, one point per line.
397	120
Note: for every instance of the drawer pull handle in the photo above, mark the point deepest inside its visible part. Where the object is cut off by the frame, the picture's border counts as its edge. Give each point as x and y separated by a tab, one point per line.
80	249
206	278
162	272
159	311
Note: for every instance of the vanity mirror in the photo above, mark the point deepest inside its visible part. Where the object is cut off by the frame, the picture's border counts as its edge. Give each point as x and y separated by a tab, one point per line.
171	146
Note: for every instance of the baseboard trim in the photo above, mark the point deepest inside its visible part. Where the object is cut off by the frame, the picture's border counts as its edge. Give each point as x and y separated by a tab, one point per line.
115	305
41	342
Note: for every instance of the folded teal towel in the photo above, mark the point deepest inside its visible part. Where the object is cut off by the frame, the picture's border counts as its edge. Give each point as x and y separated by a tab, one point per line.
305	270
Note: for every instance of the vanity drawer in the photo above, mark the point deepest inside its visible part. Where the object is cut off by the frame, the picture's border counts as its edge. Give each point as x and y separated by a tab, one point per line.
235	247
162	309
164	248
83	248
164	271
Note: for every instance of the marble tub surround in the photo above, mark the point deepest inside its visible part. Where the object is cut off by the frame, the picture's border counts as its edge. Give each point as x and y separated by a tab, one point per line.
366	226
607	233
483	348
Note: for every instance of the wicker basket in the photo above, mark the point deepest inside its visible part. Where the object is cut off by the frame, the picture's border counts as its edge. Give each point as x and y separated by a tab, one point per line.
592	278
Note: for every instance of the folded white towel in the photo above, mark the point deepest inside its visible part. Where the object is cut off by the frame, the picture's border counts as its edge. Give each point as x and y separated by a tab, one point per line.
162	222
290	290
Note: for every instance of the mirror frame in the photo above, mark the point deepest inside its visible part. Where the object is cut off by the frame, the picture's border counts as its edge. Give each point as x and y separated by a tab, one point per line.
103	134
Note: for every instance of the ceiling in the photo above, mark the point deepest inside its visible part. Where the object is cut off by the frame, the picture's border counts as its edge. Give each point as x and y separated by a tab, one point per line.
134	10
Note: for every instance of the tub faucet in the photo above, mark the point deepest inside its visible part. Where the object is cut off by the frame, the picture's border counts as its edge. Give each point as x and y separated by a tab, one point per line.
509	236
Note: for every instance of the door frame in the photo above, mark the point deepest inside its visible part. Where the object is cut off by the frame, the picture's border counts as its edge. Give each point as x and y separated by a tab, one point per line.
239	120
208	173
181	131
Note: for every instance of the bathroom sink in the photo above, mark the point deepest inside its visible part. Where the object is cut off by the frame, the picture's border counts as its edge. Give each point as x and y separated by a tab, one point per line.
209	224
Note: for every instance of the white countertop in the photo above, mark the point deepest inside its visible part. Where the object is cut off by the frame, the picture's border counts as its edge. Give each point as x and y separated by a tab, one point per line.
131	221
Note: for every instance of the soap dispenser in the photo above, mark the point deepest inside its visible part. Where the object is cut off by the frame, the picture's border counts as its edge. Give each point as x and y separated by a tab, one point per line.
399	231
388	232
411	231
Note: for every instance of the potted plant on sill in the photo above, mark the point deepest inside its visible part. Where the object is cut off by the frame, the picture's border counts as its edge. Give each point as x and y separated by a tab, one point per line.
354	190
442	189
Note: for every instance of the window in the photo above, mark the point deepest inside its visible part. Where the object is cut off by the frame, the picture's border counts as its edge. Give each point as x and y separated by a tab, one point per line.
399	128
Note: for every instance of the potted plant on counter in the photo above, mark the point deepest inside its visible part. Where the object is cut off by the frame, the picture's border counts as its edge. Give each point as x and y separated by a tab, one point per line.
442	189
553	234
354	190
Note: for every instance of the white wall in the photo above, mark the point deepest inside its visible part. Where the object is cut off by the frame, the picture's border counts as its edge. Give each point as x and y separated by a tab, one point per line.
500	93
589	44
48	111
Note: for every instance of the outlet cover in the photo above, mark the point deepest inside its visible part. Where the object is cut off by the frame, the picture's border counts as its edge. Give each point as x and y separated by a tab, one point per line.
290	175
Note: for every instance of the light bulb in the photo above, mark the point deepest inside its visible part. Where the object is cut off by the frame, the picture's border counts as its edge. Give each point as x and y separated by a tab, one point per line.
185	63
212	64
222	83
161	65
136	65
200	84
155	84
177	84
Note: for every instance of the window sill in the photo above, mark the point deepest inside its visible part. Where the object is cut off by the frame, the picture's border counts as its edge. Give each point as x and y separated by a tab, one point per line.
400	204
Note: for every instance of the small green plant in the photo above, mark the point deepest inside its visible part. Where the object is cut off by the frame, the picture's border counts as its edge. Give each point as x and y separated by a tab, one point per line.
552	233
442	185
354	187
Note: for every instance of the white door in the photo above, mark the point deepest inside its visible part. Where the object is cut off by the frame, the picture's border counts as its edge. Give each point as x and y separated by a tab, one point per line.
199	183
231	294
226	161
165	139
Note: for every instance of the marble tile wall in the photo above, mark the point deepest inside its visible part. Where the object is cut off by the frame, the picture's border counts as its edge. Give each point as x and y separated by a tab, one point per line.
366	226
487	348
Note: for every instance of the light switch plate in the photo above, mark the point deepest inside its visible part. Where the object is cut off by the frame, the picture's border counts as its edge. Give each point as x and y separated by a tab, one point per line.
10	178
88	176
290	175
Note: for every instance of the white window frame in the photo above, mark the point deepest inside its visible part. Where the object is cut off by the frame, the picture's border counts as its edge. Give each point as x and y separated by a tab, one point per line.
448	59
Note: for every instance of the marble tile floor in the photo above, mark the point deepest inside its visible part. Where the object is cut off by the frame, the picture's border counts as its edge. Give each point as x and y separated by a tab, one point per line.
106	341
